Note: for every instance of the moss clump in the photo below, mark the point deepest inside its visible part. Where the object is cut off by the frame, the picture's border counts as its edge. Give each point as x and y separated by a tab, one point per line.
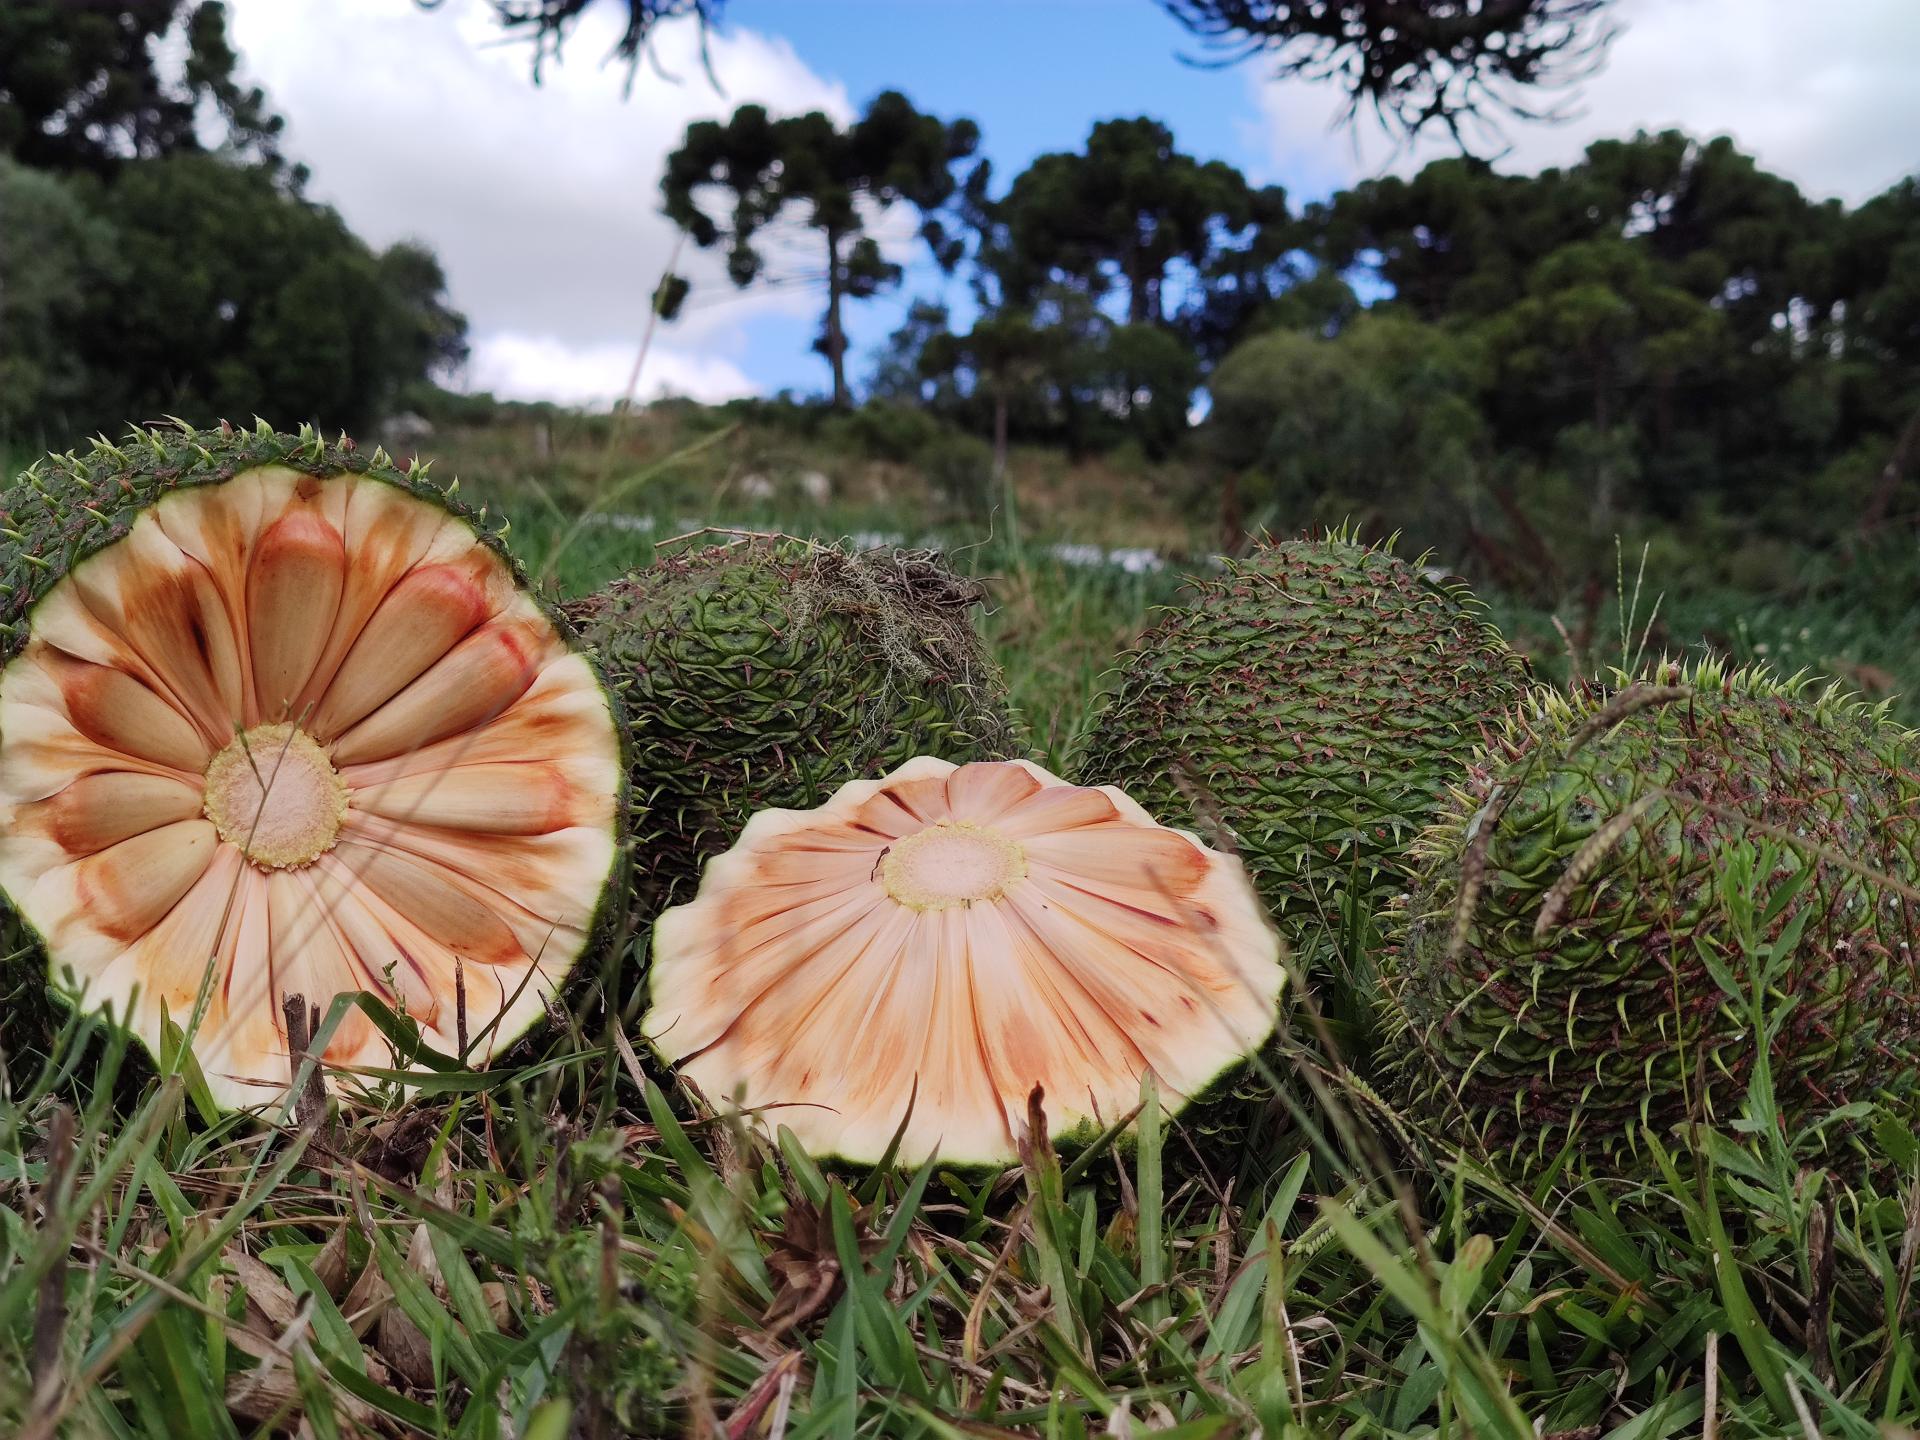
766	672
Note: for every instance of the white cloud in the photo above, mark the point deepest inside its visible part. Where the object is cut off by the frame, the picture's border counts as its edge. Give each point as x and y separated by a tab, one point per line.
1827	95
543	203
539	367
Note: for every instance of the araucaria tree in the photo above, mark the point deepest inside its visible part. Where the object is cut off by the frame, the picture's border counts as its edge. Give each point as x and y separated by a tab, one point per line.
157	253
1416	62
90	87
1115	217
837	181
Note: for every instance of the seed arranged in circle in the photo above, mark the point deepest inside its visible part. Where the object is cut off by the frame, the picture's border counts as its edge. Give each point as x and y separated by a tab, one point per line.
923	952
302	733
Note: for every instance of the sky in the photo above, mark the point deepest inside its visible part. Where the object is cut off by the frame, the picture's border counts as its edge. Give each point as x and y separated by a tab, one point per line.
543	202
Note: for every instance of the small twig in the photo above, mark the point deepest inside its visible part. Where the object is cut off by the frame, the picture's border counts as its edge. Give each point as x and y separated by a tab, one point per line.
1820	1258
976	1312
1630	701
310	1107
1807	1427
1574	673
740	536
783	1403
773	1388
460	1006
1296	1380
1796	842
1586	860
628	1058
1710	1422
50	1315
625	407
610	1198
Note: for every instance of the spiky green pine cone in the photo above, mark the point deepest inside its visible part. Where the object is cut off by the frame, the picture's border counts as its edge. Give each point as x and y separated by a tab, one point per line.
765	673
1618	810
1313	704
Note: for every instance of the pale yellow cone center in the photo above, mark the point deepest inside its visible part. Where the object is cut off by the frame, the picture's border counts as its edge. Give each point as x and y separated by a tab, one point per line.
274	793
953	863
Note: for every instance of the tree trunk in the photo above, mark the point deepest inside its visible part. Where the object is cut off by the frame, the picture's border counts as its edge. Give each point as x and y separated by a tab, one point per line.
1905	457
1233	531
999	436
836	337
1001	489
1139	287
1603	478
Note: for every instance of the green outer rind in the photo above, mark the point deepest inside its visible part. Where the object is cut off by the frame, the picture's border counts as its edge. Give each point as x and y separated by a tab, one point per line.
26	1016
71	507
1502	1050
1315	702
740	698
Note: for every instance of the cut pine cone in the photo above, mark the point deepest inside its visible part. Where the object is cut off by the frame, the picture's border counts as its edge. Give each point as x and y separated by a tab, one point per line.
916	956
279	719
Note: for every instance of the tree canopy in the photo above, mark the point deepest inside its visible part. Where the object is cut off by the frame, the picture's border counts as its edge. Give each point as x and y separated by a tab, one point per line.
547	24
1415	63
1329	426
1117	216
1663	330
89	87
146	274
833	181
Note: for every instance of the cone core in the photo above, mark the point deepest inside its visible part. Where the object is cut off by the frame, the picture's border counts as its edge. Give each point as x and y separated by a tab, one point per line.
950	864
274	793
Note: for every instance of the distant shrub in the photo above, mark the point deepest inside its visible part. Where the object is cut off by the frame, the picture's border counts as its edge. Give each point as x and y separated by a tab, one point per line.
1837	495
52	261
784	412
959	469
1761	565
448	407
1381	421
1148	376
883	430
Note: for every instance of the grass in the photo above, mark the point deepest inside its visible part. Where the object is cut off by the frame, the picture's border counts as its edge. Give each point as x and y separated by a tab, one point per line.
1057	619
561	1247
564	1245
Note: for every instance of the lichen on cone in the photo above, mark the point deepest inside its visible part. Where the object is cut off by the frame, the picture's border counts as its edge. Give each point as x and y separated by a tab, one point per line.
918	954
1558	986
763	672
277	718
